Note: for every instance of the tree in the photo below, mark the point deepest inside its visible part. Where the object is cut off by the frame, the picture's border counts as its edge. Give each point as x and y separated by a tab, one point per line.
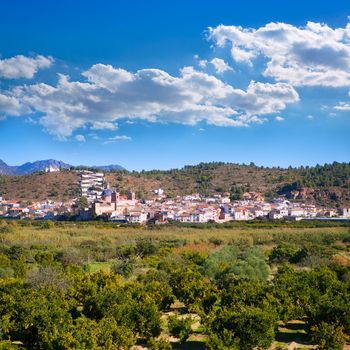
160	344
328	336
180	327
123	267
82	203
283	253
248	327
249	264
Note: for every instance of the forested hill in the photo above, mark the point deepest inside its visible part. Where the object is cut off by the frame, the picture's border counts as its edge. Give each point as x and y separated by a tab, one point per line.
327	184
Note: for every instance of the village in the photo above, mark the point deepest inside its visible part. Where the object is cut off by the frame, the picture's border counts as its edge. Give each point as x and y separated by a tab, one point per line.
100	201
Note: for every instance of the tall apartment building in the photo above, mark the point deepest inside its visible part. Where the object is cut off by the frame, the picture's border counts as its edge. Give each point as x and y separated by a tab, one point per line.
92	184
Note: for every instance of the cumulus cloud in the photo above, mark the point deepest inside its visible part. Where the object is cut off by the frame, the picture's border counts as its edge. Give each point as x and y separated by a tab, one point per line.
220	65
10	105
109	94
80	138
314	55
279	118
23	67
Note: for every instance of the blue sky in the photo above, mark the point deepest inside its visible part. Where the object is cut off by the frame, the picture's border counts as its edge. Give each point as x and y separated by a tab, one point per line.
156	84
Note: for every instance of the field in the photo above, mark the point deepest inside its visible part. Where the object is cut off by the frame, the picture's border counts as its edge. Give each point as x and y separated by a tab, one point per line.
240	286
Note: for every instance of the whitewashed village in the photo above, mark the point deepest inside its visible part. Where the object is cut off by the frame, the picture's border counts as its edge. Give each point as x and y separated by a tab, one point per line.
102	202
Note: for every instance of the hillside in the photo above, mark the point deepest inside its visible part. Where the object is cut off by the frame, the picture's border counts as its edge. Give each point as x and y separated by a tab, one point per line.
62	185
325	185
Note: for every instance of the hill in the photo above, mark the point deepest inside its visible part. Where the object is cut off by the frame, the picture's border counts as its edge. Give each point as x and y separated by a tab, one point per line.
327	184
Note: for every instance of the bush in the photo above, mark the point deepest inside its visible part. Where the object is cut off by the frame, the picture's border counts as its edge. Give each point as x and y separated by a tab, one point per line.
124	268
282	253
180	327
46	225
145	247
249	264
7	227
160	344
328	336
46	277
250	327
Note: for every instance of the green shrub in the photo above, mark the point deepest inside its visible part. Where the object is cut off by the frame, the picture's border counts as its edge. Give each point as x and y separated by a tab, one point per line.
328	336
180	327
160	344
123	267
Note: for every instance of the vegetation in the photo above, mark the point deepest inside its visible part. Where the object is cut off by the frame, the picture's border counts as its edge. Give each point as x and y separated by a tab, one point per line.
103	286
328	184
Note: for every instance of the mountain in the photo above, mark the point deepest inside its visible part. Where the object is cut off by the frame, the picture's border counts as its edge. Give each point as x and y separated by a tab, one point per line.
29	168
4	168
40	165
327	184
43	165
110	167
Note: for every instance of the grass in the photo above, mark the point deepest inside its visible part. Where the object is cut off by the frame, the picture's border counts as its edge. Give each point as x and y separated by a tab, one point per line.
98	266
73	235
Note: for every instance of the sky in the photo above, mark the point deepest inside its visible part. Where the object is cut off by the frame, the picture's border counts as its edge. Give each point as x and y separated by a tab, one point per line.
160	84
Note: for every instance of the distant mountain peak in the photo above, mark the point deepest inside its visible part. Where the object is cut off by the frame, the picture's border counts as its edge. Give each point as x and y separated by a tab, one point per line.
46	165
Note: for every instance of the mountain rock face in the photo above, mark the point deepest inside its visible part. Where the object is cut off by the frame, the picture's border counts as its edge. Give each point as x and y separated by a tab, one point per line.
40	165
44	165
4	168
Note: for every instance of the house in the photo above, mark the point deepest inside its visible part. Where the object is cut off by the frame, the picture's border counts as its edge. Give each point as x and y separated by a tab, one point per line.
198	217
160	217
241	213
296	211
277	214
100	208
183	217
344	212
258	212
136	217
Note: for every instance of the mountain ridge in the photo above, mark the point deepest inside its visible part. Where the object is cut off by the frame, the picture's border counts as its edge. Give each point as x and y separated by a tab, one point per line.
43	165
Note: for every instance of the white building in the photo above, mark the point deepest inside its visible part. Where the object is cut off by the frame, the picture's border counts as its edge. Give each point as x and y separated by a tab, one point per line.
296	211
91	185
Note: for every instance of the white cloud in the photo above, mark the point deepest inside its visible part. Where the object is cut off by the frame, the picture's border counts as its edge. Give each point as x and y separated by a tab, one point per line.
23	67
108	77
310	117
279	118
104	126
202	63
314	55
110	94
220	65
117	138
242	56
10	105
342	106
80	138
